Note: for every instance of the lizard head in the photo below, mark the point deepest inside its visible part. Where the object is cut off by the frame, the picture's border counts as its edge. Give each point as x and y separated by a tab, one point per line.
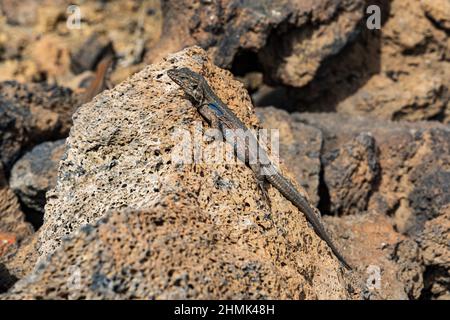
189	81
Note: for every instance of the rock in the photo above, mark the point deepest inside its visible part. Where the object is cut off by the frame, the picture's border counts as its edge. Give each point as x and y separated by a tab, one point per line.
6	279
408	258
281	35
390	270
6	240
17	262
126	159
436	10
420	96
13	134
13	228
388	73
166	253
435	238
90	53
434	243
51	57
350	173
412	187
299	148
295	51
20	12
413	161
35	173
36	43
30	114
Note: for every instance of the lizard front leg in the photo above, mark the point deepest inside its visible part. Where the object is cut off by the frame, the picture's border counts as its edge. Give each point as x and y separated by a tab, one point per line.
214	133
261	181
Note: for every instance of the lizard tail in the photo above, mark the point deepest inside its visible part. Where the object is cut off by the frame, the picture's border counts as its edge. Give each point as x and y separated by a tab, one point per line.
288	190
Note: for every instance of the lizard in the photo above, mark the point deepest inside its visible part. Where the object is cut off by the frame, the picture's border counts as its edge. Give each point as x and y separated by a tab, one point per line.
246	146
100	81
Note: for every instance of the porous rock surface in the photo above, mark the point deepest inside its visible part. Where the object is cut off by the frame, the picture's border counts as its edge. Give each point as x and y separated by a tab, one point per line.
227	241
13	229
169	252
390	262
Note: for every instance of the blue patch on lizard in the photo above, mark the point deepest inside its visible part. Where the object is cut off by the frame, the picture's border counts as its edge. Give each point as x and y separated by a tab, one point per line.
216	109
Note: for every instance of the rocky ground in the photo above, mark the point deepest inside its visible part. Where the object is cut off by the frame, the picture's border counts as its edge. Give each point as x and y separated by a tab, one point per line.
93	205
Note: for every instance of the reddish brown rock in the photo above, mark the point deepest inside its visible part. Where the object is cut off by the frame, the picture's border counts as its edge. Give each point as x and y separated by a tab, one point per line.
388	73
6	240
413	186
434	243
412	158
295	50
51	57
292	38
20	12
15	232
392	270
36	43
171	252
350	174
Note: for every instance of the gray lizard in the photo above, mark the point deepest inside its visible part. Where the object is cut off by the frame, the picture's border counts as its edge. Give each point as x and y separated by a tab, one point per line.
246	146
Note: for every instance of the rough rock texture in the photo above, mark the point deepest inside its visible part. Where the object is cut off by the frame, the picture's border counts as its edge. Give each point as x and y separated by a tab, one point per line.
14	231
13	228
299	144
385	183
36	172
413	159
295	50
387	73
434	242
350	173
292	38
389	183
412	187
30	114
437	11
372	240
170	252
112	165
